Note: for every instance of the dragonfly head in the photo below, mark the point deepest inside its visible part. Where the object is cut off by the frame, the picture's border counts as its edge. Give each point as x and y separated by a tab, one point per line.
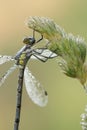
29	40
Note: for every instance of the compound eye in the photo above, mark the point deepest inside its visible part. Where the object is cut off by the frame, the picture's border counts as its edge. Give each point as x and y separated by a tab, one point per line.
26	40
29	40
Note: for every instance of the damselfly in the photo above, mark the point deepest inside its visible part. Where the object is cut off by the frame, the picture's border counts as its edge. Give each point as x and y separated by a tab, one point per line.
34	89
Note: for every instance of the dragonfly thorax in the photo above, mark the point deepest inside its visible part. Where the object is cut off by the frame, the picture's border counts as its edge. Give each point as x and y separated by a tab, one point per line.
29	40
23	58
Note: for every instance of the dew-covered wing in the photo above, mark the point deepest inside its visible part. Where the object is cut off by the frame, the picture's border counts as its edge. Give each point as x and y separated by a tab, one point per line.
46	53
43	54
34	89
4	77
5	58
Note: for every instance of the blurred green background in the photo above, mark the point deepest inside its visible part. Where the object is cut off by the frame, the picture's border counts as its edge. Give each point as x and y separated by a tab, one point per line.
67	98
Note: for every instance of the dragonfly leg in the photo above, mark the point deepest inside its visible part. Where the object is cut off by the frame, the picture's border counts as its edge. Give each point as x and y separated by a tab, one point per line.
43	48
38	39
41	59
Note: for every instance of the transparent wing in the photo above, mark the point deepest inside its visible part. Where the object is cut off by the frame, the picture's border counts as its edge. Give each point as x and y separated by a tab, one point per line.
46	53
34	89
5	58
43	54
4	77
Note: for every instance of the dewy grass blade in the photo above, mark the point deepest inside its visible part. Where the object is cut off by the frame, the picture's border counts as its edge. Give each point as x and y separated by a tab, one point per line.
47	27
72	50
